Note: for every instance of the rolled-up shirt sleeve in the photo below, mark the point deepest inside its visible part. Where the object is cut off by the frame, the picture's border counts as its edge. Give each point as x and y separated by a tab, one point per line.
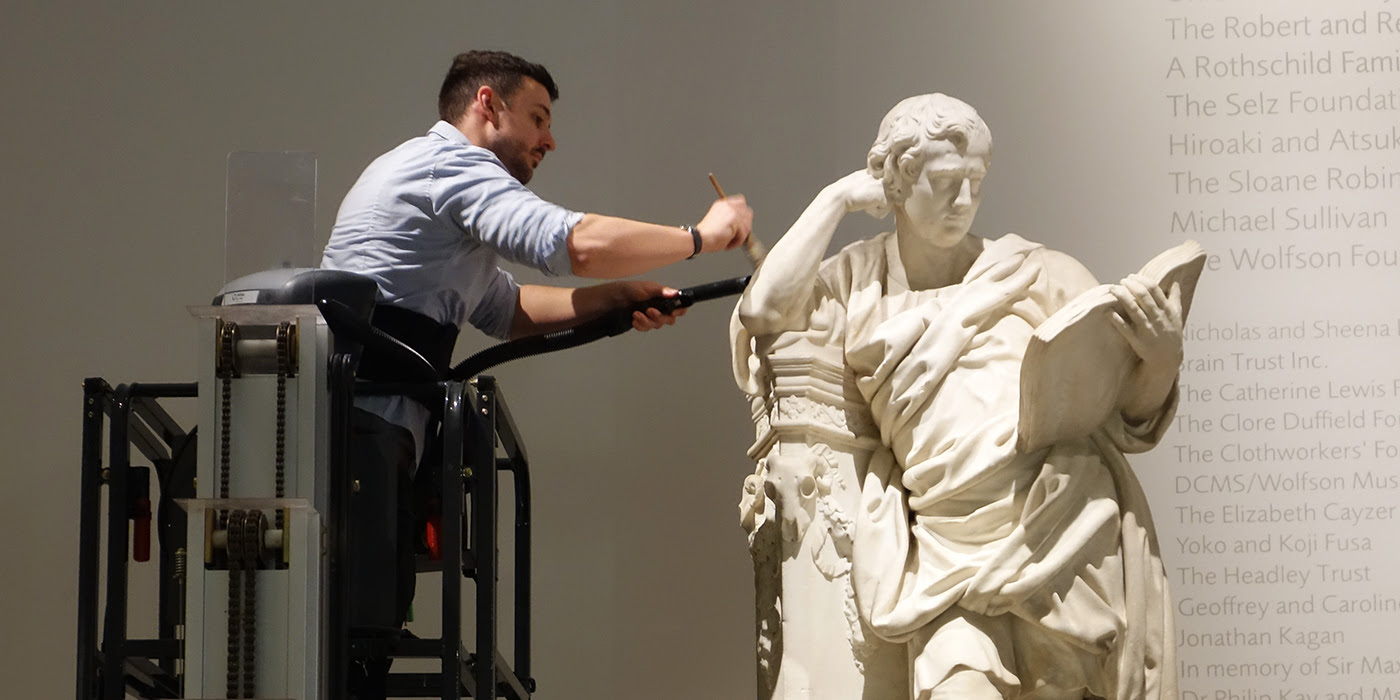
494	315
491	206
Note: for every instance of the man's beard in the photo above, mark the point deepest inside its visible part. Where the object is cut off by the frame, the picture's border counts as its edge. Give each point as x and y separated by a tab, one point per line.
516	157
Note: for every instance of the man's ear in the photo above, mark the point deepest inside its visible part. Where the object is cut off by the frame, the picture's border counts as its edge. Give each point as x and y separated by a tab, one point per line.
485	101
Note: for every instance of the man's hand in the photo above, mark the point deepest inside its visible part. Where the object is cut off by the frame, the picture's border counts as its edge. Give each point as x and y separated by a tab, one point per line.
544	309
632	291
1151	321
726	225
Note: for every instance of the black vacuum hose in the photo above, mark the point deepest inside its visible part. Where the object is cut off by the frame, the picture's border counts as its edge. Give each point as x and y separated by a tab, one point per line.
606	326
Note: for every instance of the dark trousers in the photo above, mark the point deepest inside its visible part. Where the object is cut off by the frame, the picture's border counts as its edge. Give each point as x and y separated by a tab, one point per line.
381	569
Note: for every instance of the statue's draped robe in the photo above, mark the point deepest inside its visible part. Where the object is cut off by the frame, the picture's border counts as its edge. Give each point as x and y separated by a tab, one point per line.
952	515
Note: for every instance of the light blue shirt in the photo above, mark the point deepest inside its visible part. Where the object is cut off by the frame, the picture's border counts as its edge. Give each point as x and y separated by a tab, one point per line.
429	221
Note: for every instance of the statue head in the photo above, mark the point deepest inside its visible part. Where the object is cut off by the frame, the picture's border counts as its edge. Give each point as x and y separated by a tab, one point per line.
909	131
938	147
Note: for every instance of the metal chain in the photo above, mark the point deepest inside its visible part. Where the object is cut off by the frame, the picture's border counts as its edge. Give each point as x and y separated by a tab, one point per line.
244	529
284	369
244	548
230	522
234	551
252	550
226	369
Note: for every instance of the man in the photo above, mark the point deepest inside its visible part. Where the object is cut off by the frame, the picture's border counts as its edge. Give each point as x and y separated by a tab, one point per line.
429	221
1004	573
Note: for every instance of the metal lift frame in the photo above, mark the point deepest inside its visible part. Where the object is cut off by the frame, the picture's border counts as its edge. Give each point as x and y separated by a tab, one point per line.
146	665
475	418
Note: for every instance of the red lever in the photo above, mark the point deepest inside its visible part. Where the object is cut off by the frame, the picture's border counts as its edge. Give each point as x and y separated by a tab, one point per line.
432	536
141	531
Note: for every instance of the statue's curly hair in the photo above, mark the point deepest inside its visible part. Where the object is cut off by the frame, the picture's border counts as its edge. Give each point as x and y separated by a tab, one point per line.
900	148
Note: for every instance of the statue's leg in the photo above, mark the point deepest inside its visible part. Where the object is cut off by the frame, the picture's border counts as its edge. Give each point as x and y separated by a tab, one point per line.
963	655
1049	693
964	685
1051	668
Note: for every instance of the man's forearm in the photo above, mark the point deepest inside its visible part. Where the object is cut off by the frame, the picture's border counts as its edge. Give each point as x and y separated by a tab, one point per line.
542	309
607	247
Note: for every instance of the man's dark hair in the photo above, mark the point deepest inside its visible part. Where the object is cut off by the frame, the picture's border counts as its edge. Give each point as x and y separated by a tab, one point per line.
498	69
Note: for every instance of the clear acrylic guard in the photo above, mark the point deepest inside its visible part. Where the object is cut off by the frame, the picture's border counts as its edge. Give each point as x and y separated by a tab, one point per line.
270	211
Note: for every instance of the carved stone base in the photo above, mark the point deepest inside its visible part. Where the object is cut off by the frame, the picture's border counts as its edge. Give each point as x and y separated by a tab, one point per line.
812	448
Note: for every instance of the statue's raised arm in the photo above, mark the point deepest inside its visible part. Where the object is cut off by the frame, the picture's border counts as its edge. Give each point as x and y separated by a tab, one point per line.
779	298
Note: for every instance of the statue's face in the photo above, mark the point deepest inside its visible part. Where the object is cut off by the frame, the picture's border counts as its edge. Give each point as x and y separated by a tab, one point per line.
945	198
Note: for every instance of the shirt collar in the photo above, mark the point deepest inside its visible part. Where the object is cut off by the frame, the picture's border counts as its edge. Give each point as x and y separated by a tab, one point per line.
446	131
449	132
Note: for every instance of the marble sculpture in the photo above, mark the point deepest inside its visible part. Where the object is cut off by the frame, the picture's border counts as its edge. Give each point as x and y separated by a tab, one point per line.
904	546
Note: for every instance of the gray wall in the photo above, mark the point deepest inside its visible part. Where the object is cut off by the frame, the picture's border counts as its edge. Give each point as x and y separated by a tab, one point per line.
117	119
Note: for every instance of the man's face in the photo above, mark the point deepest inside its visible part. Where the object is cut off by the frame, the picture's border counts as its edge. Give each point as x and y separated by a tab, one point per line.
522	135
945	198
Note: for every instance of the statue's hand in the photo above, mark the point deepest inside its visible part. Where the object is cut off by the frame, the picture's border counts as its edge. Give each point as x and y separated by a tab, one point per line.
1151	321
861	192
